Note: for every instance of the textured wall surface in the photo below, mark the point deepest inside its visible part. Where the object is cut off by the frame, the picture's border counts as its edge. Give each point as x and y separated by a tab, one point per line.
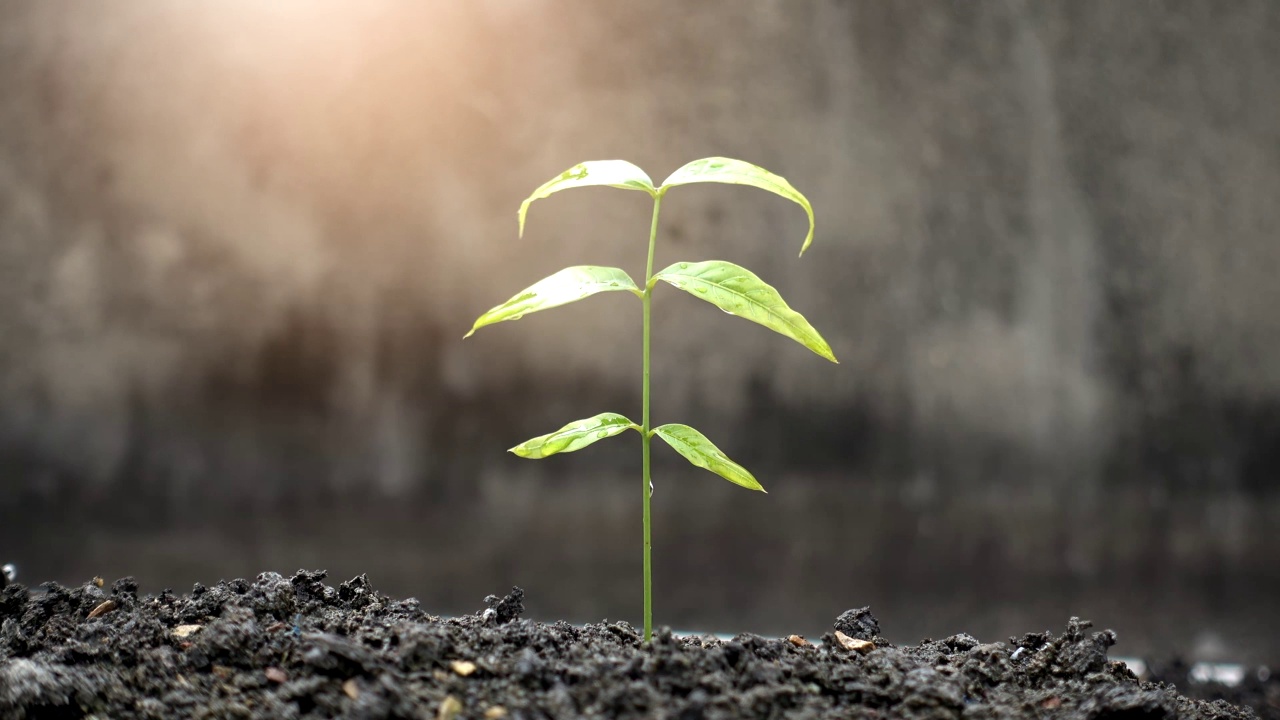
240	243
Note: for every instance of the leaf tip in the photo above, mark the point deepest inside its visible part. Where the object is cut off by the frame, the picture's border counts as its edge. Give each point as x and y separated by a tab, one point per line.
824	351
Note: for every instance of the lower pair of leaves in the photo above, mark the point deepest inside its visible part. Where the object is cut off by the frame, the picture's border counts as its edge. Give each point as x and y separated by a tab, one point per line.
693	445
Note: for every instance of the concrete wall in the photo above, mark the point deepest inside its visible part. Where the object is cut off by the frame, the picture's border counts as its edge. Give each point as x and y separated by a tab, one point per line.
239	246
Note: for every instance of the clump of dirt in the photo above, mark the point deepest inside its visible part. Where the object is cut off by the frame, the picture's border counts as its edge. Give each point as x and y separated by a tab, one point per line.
294	647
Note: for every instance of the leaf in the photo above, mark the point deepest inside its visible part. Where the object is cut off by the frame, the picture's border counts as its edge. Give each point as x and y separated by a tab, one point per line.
613	173
574	436
568	285
736	172
697	449
737	291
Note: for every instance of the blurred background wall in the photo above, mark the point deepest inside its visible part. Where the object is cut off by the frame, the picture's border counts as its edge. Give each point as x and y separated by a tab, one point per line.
240	243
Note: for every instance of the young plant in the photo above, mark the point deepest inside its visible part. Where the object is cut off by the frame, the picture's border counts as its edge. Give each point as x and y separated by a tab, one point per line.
731	288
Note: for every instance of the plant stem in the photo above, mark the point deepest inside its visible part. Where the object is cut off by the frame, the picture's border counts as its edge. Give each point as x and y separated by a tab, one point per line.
645	428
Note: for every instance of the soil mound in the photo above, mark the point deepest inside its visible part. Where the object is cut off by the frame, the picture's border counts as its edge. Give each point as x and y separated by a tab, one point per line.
279	647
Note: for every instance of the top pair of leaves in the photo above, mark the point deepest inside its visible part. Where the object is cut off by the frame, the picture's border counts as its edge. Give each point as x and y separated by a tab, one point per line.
732	288
626	176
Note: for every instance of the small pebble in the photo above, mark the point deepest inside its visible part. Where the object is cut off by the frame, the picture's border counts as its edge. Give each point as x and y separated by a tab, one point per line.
848	643
276	675
450	707
462	667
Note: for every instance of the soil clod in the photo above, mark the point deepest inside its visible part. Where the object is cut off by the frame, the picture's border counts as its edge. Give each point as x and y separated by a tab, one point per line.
859	624
502	611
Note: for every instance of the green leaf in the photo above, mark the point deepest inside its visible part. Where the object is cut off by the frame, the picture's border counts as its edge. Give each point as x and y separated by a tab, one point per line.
737	291
736	172
566	286
613	173
574	436
697	449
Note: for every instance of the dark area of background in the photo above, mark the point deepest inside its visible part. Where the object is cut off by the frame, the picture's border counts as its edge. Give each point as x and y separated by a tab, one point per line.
240	243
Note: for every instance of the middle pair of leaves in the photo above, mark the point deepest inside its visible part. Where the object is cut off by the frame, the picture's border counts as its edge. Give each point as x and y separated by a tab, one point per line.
732	288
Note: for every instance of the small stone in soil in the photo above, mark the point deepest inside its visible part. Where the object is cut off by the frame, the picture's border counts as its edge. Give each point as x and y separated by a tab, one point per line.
848	643
450	707
462	667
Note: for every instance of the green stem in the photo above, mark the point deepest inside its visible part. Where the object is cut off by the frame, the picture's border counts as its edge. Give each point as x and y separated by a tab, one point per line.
644	433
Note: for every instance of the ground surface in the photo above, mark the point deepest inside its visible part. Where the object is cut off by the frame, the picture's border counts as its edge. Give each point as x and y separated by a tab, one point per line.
295	648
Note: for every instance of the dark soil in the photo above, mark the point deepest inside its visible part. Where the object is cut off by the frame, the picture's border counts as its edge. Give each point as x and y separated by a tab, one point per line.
296	648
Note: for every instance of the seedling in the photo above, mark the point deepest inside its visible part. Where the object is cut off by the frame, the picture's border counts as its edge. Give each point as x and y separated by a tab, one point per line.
731	288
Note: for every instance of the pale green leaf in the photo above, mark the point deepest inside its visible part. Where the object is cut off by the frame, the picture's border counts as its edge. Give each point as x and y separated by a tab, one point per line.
697	449
613	173
737	172
566	286
737	291
575	436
